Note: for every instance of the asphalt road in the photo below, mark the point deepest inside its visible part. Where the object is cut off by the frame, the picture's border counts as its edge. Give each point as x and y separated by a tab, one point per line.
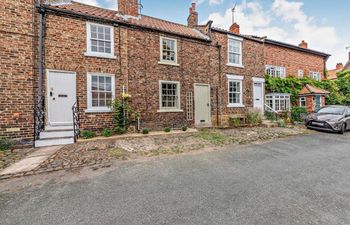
300	180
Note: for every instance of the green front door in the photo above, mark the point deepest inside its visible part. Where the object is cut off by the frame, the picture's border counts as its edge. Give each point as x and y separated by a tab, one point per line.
318	103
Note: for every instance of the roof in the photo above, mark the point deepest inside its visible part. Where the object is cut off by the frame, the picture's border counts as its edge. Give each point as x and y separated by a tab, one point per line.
220	30
309	89
332	74
295	47
114	16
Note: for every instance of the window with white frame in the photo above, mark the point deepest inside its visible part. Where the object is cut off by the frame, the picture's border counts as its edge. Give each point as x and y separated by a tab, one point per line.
278	102
302	102
315	75
168	50
235	91
276	71
235	51
101	91
100	40
300	73
169	94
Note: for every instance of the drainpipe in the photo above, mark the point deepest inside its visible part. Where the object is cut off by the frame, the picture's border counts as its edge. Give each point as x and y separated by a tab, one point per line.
218	102
41	52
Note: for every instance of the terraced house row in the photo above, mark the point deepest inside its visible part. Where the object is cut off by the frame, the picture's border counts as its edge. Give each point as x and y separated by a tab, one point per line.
61	56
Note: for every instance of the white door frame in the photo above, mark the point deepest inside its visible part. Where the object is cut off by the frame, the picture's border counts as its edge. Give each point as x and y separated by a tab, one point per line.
209	124
48	71
262	82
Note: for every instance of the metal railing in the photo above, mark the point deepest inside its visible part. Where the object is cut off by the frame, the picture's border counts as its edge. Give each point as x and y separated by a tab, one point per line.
271	110
76	120
39	118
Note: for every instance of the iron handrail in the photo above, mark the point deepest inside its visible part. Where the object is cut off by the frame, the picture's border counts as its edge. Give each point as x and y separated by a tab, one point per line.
76	120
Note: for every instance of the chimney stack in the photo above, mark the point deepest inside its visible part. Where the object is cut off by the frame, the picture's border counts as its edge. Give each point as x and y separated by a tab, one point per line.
303	44
192	19
128	7
339	66
234	27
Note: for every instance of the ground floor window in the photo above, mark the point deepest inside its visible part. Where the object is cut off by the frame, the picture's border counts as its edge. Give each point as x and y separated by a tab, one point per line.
101	91
302	102
278	102
169	95
235	91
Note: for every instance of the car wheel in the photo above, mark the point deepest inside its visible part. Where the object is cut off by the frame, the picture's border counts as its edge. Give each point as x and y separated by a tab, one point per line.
343	129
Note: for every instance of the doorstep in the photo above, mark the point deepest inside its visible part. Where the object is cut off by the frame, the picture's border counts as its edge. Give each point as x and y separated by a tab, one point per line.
140	135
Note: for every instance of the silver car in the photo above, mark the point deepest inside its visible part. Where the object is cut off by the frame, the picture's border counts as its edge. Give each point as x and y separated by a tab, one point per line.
332	118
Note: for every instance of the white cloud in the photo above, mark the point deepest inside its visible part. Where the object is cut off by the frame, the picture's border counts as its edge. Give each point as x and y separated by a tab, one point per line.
88	2
284	21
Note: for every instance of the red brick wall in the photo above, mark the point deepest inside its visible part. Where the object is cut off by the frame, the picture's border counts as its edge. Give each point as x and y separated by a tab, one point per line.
253	67
16	68
293	60
140	70
310	103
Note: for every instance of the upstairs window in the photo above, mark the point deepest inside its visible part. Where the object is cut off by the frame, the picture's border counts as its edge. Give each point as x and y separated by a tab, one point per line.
235	51
276	71
168	50
315	75
300	73
100	40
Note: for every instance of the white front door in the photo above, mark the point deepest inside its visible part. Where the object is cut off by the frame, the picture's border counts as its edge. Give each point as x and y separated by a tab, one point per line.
259	96
202	105
61	92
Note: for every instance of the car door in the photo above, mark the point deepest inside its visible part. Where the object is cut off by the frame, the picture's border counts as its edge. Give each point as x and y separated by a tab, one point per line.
347	118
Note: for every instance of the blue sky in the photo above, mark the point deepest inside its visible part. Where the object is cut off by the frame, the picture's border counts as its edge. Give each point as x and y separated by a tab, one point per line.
323	24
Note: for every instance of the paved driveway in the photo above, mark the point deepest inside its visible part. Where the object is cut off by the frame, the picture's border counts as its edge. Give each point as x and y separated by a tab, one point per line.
301	180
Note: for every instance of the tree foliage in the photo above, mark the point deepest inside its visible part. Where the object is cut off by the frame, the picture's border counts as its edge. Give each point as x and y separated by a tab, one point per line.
339	89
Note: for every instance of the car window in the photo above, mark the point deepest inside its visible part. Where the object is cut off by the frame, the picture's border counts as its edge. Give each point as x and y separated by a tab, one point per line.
332	110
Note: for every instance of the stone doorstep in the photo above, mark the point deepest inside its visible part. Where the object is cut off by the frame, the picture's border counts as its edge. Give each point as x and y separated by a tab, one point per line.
138	135
30	162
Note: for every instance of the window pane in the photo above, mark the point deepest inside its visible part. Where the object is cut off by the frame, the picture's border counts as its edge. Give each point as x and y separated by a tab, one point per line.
94	83
101	83
102	99
108	84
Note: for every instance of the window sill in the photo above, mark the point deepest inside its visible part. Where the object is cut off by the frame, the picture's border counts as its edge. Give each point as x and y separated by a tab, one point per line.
235	106
168	63
106	56
235	65
98	110
169	110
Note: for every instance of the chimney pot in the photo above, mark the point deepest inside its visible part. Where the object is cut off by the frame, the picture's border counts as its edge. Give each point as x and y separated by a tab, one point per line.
192	20
303	44
339	66
235	28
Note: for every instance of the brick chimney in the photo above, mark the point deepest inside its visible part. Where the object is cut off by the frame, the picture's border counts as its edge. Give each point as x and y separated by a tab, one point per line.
303	44
339	66
192	19
235	28
128	7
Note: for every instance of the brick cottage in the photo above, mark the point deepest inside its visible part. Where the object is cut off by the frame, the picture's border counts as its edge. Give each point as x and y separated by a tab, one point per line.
57	54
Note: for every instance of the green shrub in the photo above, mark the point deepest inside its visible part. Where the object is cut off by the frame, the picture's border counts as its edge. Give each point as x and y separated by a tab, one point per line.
107	132
5	144
88	134
145	131
270	115
297	113
234	122
119	130
167	129
281	123
254	117
184	128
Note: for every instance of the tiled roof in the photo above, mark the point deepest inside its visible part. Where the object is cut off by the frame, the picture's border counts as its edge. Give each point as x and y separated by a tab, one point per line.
142	20
309	89
332	74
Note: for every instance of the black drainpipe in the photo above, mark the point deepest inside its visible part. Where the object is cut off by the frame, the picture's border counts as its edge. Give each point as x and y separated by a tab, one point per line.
41	53
218	102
